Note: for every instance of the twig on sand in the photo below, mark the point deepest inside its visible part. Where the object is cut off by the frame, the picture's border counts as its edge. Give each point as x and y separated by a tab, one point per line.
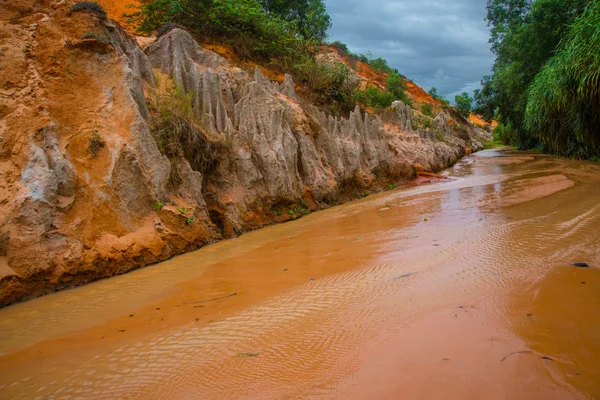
208	301
517	352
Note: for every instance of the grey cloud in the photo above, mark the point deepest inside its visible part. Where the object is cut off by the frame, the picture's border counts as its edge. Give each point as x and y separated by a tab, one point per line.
432	42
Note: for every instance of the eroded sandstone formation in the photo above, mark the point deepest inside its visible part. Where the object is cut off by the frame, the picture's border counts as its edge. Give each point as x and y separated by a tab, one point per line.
68	217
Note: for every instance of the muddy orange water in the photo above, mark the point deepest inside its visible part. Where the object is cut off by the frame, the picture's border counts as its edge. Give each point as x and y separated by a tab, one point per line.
461	289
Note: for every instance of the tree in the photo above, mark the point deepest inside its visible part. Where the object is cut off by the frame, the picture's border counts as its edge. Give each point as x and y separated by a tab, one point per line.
464	103
524	36
434	93
310	16
563	107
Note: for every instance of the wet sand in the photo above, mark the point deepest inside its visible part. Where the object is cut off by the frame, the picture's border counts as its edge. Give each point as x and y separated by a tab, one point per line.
458	289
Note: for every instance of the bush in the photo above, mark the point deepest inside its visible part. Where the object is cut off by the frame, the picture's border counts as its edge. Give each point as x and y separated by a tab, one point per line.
373	97
340	46
506	134
380	64
326	85
243	23
464	104
396	84
177	131
93	35
426	109
91	7
95	143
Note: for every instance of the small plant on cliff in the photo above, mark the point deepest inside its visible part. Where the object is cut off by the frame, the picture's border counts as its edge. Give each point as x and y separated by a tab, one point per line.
96	36
95	143
427	110
91	7
159	205
182	210
178	132
190	220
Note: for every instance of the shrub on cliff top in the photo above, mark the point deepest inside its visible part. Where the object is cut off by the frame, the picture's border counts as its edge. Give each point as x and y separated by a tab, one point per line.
177	131
246	24
427	110
326	85
89	6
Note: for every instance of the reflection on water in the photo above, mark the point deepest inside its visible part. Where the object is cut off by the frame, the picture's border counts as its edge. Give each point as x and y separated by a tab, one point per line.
419	291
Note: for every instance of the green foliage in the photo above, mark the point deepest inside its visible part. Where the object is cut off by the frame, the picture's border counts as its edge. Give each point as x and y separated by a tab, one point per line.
245	24
563	107
436	96
464	104
434	93
95	143
424	123
182	210
178	132
524	36
373	97
380	65
96	36
326	85
190	220
506	134
427	109
159	205
341	46
91	7
309	16
396	85
492	144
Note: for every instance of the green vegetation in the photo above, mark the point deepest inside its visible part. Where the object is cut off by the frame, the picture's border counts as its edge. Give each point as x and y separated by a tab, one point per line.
159	205
464	104
309	16
380	65
563	104
282	34
544	87
178	132
95	143
427	109
298	211
396	85
436	96
374	97
261	29
327	85
493	144
91	7
96	36
381	99
182	210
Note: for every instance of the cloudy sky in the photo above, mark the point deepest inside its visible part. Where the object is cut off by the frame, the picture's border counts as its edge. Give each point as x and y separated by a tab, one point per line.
441	43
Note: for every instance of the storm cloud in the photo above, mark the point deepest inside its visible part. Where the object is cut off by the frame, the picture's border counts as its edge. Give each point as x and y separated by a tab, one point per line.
441	43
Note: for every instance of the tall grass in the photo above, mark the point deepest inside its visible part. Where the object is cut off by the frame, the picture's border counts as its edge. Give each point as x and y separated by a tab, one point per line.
563	107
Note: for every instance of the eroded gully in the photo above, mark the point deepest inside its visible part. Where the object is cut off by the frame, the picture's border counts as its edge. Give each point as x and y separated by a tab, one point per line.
457	289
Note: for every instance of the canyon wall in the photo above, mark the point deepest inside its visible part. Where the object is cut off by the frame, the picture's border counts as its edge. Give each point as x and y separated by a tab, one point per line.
69	215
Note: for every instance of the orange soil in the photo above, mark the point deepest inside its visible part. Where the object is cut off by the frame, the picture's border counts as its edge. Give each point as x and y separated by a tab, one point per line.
116	8
419	94
478	120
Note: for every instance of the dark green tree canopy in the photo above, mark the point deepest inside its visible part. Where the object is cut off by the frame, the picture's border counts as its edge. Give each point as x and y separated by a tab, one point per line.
524	36
310	16
464	104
